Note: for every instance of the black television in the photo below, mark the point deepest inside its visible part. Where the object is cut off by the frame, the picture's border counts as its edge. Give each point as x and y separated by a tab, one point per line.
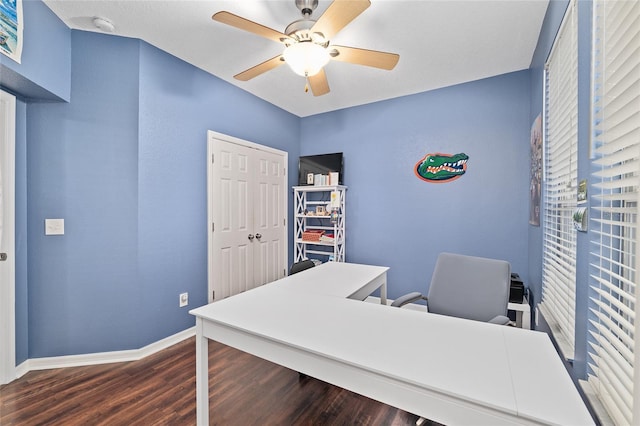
320	164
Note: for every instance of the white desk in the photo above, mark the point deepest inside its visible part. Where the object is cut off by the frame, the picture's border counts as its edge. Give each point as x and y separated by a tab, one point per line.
342	280
523	313
446	369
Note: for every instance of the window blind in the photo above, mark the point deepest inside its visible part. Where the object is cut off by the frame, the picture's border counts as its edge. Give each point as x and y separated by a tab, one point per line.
560	183
613	349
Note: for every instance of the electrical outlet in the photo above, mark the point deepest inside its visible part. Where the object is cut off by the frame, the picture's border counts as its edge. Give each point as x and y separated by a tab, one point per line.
184	299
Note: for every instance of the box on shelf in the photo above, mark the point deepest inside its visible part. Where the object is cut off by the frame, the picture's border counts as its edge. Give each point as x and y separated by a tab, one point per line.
334	178
312	235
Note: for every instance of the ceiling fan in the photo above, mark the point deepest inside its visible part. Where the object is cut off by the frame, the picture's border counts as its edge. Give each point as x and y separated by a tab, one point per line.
307	42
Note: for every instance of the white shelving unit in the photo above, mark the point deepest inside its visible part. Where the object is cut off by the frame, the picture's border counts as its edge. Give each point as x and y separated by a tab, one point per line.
307	199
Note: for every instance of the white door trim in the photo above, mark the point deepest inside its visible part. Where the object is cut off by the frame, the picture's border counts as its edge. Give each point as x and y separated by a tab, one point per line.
7	244
248	144
211	137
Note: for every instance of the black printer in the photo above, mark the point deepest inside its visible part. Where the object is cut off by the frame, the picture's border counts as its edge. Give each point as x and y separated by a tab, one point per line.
516	292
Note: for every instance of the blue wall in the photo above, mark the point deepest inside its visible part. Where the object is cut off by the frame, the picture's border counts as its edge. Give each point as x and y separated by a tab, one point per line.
124	164
82	166
396	219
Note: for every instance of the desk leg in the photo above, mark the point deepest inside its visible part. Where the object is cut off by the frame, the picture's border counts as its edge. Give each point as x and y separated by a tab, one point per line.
383	291
519	319
526	320
202	376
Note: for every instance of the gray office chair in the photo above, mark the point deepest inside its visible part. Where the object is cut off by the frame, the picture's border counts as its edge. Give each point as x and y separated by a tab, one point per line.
301	266
468	287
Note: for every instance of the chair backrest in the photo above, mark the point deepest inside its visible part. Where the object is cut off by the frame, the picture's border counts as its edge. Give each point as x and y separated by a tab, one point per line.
469	287
301	266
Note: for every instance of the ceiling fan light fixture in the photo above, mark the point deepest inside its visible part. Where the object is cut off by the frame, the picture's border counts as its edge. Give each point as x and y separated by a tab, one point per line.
306	58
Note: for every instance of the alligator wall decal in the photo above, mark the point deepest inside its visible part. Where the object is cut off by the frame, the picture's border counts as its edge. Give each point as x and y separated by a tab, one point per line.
440	168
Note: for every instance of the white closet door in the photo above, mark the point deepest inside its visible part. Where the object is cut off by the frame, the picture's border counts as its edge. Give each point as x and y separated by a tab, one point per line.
232	261
269	218
247	211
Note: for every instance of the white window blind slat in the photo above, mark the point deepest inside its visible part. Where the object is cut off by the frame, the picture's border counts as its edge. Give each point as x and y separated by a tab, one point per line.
616	198
615	382
622	80
617	15
621	306
610	358
621	157
626	113
601	331
624	132
562	267
615	140
618	416
606	210
614	223
612	348
617	169
620	322
623	365
622	66
559	293
619	184
625	289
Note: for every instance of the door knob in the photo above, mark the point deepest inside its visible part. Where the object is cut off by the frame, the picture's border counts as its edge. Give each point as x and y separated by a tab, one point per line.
3	257
258	236
250	237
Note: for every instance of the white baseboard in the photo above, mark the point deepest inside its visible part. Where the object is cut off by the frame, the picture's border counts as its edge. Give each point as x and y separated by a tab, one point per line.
102	357
21	369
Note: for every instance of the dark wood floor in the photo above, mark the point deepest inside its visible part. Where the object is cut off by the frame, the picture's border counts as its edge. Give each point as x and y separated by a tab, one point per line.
160	390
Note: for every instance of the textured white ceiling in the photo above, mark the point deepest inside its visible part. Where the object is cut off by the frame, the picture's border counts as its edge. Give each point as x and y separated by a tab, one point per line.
440	43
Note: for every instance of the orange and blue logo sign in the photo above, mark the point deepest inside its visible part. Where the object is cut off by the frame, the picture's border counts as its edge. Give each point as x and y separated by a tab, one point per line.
441	168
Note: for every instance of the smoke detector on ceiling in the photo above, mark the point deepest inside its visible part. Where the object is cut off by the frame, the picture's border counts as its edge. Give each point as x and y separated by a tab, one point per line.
103	24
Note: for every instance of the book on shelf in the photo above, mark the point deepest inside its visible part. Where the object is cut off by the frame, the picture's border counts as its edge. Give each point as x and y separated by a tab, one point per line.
327	238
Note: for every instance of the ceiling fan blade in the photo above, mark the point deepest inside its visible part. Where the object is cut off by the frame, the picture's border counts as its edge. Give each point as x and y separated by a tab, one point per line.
319	84
370	58
267	65
250	26
338	15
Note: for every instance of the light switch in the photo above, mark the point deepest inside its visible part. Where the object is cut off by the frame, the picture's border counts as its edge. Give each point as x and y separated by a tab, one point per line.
54	227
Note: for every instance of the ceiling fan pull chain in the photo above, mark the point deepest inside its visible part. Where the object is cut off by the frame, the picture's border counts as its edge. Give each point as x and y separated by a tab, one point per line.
306	83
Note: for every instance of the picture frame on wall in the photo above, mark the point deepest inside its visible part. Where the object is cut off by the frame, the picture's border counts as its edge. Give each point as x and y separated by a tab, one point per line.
535	175
11	28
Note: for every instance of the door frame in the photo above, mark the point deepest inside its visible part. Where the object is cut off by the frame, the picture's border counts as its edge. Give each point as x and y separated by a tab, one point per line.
8	271
212	137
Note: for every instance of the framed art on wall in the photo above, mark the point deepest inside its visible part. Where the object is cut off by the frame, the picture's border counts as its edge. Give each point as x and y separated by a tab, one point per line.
11	21
535	174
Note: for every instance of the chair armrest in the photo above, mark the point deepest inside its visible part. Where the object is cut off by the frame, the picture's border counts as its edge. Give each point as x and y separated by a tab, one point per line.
407	298
500	320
